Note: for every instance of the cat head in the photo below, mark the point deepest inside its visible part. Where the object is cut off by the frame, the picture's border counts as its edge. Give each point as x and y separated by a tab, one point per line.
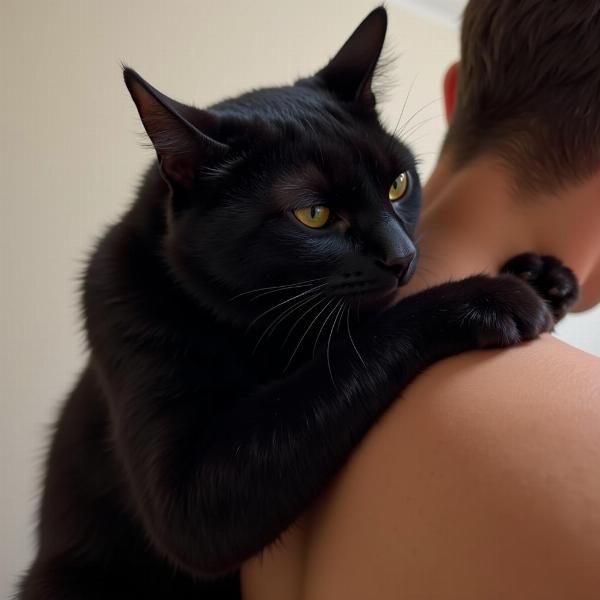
288	197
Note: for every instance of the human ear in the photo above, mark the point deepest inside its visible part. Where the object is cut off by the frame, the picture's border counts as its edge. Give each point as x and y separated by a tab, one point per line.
450	88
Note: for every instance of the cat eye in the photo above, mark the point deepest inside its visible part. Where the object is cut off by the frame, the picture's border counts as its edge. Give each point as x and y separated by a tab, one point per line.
399	188
313	216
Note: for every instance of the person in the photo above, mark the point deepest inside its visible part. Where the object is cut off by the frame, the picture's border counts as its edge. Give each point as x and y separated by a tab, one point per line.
482	481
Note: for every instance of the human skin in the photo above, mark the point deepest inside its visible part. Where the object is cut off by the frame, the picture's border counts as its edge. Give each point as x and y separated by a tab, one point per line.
468	488
481	481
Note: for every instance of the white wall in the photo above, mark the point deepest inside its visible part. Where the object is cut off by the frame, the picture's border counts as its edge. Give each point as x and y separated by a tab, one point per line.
70	158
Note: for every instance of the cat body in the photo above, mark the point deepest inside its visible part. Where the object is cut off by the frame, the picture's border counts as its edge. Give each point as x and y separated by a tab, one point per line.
243	334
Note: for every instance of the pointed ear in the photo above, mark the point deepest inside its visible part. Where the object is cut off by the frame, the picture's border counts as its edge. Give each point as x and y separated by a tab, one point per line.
176	131
349	74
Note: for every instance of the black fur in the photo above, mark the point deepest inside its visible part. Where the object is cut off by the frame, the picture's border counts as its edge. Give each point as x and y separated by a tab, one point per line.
556	283
197	434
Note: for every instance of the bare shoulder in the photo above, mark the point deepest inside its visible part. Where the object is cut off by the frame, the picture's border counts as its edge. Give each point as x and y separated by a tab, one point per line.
480	482
537	369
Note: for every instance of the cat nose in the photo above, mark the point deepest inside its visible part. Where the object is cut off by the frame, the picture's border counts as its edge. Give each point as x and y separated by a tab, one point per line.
400	265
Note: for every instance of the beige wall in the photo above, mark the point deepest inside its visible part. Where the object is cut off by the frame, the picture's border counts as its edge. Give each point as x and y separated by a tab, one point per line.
71	156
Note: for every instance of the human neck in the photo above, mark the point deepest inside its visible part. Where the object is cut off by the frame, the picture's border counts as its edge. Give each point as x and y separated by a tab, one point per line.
472	223
469	225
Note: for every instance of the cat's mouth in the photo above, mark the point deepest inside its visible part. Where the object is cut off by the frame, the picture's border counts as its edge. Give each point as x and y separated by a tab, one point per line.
368	295
376	300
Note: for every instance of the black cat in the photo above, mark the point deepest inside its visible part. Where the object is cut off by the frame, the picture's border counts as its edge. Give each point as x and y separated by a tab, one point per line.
242	334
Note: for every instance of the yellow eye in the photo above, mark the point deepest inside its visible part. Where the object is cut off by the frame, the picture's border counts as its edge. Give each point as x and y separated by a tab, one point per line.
399	187
313	216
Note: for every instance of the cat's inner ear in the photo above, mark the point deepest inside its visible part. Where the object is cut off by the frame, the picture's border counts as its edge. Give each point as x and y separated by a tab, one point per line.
349	74
177	132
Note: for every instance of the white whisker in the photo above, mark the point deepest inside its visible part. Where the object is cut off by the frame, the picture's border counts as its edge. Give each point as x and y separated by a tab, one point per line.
278	287
286	313
304	335
417	112
299	320
404	107
314	289
351	340
329	339
406	134
322	327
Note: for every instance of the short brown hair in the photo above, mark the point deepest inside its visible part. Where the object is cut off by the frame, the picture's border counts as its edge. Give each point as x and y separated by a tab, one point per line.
529	89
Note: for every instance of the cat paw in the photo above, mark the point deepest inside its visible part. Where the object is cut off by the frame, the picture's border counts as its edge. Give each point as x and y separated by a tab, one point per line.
554	282
503	311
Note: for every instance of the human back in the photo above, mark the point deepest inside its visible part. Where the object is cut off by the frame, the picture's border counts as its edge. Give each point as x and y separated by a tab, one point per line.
471	486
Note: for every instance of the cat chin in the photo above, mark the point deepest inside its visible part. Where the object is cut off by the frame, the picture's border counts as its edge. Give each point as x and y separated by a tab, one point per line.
376	301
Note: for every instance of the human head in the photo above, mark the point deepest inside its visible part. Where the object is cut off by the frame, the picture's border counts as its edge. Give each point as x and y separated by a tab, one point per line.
529	80
526	95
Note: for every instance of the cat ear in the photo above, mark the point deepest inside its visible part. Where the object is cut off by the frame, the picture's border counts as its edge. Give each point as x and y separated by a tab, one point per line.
176	131
349	73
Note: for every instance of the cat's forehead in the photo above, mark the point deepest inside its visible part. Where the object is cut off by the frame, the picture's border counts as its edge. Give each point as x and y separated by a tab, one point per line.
343	155
290	114
285	103
314	139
